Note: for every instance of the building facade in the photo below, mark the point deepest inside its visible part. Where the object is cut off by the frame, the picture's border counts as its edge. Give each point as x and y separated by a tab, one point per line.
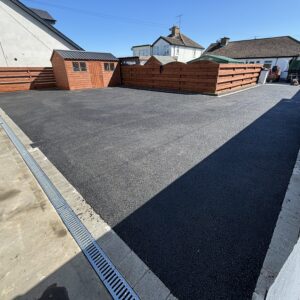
177	45
28	37
275	51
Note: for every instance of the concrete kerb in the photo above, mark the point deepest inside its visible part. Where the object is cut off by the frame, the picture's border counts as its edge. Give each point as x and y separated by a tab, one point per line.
285	236
239	91
145	283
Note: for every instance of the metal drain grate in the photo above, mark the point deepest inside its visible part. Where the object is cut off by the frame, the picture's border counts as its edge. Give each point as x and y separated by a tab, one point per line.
107	272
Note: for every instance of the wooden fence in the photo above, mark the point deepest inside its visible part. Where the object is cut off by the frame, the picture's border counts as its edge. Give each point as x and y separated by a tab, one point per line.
199	77
20	79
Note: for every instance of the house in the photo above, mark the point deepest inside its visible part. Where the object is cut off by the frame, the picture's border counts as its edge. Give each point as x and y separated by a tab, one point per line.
75	69
142	50
274	51
176	44
28	37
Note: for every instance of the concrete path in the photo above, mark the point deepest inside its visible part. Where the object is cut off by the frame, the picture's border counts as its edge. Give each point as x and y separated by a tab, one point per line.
283	257
39	258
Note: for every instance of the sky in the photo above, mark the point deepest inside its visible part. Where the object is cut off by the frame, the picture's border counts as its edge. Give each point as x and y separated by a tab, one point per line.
115	26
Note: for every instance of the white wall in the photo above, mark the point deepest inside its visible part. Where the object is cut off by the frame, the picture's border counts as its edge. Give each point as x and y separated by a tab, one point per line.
282	62
183	54
25	42
161	47
141	51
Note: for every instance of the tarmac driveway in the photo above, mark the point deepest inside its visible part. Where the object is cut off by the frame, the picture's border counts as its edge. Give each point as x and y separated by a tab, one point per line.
192	183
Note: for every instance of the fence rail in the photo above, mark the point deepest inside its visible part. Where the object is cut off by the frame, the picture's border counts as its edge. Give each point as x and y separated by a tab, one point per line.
19	79
198	77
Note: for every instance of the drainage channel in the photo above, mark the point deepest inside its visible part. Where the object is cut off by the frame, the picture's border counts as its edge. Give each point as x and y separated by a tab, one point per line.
106	271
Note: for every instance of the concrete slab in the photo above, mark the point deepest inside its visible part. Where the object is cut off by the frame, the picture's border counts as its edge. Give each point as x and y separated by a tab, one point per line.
38	255
149	288
132	268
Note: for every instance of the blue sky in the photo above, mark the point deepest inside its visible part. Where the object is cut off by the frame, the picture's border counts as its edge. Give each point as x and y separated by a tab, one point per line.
114	26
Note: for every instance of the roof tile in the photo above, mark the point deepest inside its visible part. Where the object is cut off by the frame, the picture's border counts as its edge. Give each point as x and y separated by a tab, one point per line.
282	46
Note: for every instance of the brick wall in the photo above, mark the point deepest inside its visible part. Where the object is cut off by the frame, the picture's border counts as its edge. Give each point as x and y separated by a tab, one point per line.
20	79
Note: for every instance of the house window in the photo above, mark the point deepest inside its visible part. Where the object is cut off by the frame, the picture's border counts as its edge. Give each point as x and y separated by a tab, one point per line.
176	50
194	53
109	66
268	64
79	66
166	49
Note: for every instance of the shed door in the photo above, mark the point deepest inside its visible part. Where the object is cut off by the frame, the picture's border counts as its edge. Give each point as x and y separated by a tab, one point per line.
96	74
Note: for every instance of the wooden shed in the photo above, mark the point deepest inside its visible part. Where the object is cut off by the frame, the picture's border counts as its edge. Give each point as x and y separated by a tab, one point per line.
75	69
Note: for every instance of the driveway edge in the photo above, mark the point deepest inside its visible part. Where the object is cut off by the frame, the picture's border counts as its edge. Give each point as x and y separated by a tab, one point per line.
144	282
285	236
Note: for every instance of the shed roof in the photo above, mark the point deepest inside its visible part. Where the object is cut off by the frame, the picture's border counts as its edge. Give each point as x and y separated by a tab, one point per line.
282	46
216	58
85	55
164	59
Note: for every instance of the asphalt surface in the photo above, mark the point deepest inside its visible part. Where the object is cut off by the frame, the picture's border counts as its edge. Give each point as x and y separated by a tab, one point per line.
192	183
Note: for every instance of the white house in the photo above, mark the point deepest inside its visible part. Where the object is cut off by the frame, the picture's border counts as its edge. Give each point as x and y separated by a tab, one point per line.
274	51
28	37
176	44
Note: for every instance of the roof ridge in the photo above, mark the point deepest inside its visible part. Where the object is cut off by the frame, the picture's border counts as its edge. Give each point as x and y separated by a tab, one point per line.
85	51
266	38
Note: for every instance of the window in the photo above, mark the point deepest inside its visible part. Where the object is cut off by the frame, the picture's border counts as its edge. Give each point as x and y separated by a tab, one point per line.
166	49
82	66
176	50
194	53
251	62
79	66
268	64
76	66
109	66
258	61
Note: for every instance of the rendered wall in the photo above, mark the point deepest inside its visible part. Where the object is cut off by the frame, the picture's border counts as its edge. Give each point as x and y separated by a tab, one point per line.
25	42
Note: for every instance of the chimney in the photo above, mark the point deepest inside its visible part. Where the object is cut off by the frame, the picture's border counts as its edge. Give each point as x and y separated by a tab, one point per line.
224	41
175	31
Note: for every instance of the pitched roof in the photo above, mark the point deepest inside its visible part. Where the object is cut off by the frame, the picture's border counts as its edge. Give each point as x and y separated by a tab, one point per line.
43	14
85	55
145	45
180	40
215	58
45	23
164	59
282	46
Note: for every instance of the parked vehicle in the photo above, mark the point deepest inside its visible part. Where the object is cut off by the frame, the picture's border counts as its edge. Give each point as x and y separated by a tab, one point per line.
294	70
